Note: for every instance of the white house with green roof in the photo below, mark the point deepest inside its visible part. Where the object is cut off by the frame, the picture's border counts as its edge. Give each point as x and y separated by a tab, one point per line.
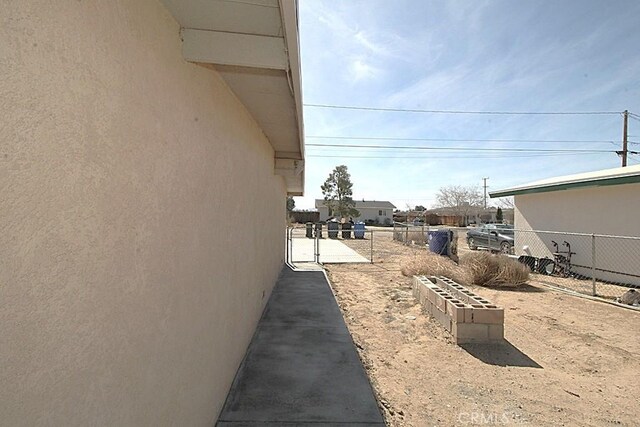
605	202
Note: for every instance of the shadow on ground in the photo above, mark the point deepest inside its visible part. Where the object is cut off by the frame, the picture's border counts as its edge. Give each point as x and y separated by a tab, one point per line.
501	354
526	288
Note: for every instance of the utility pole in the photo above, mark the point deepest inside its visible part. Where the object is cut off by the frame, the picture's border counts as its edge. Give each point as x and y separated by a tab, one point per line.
485	191
625	115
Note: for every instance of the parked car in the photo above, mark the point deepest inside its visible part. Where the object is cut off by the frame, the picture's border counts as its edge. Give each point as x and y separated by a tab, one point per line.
495	237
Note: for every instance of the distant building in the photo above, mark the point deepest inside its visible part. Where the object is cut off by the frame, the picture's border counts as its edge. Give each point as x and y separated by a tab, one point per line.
475	215
379	212
604	202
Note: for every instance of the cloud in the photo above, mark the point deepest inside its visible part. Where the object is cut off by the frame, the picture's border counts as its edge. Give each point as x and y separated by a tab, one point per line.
360	70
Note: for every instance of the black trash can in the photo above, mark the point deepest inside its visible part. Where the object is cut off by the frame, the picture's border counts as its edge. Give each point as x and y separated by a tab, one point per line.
346	230
332	229
309	231
319	230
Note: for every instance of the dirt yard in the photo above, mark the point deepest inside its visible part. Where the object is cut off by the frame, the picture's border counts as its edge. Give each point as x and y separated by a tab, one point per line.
566	360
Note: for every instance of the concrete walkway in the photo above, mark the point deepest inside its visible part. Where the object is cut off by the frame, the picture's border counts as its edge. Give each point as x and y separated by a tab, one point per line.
331	251
301	367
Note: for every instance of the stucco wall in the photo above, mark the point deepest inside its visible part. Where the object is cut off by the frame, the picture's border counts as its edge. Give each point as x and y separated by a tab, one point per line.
128	294
611	210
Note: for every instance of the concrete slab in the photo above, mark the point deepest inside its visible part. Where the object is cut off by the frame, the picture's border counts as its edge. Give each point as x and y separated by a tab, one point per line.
301	367
331	251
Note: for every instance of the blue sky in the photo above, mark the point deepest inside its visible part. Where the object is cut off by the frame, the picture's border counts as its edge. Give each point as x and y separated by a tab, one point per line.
471	56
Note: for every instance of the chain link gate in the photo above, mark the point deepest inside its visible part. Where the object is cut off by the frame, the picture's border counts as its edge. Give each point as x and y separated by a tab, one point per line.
323	245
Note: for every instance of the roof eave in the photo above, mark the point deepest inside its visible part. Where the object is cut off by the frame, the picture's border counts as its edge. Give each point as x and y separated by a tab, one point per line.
620	180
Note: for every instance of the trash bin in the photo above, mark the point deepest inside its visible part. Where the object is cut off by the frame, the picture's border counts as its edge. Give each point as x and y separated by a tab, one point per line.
319	230
309	230
439	241
346	230
358	230
332	229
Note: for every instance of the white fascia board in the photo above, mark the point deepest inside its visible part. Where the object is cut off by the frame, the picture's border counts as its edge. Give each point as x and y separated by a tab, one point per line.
289	11
245	50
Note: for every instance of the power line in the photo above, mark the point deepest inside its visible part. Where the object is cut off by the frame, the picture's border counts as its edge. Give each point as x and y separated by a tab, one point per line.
393	147
411	110
434	157
388	138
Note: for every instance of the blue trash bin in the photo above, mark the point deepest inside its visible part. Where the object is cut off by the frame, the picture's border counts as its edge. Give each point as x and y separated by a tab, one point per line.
358	230
439	241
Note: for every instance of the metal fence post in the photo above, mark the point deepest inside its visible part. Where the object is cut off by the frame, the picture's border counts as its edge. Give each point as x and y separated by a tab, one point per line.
593	265
288	245
371	246
406	234
316	247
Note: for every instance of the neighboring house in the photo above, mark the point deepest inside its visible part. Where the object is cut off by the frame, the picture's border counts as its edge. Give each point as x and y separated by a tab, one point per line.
380	212
475	215
602	202
490	216
129	129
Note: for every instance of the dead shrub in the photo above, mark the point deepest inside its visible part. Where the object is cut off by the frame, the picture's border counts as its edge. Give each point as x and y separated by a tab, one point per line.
430	264
484	269
417	237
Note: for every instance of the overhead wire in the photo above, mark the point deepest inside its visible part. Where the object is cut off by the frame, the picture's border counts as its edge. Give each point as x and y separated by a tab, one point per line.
394	147
434	157
388	138
416	110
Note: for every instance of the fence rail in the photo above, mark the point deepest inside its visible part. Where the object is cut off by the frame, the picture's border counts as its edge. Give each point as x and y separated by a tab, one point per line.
593	264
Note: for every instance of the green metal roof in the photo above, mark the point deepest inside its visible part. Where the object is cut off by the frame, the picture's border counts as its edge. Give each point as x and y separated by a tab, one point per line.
616	176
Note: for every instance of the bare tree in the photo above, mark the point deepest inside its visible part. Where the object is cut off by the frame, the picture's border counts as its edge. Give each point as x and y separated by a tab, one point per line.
506	202
461	200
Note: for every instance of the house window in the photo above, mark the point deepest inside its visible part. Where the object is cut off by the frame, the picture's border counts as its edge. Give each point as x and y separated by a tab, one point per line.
382	213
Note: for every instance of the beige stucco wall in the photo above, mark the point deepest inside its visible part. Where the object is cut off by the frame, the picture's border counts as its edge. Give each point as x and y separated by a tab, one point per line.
610	210
140	220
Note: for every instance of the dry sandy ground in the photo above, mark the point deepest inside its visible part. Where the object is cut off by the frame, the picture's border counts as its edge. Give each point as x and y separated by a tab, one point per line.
566	360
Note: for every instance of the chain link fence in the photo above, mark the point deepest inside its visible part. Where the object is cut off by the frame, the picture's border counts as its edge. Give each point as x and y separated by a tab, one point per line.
591	264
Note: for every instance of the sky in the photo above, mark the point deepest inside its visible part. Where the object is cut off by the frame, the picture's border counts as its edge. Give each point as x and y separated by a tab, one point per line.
533	56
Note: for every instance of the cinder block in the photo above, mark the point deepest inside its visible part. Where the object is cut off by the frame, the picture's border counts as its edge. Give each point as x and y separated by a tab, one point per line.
440	302
455	310
493	316
429	307
446	321
496	332
422	298
432	294
422	290
468	314
470	332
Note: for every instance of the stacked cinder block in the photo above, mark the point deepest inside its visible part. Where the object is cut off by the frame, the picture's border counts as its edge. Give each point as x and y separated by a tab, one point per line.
468	317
